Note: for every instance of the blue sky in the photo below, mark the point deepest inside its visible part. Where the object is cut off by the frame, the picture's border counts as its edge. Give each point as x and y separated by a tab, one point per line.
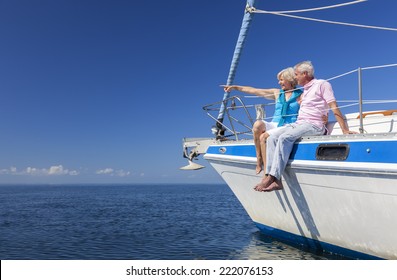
103	91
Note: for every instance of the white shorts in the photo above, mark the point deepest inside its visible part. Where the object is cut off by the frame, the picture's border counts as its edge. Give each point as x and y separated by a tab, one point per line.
272	127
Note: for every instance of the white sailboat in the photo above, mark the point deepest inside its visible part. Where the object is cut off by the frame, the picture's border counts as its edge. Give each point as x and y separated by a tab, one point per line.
340	191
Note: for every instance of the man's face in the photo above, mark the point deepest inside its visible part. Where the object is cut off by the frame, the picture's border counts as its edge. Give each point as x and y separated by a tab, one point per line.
300	77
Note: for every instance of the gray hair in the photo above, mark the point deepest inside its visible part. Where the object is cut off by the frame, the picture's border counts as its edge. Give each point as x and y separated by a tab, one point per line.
288	74
305	66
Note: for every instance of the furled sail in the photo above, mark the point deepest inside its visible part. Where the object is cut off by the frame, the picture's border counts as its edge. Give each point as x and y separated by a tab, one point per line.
248	16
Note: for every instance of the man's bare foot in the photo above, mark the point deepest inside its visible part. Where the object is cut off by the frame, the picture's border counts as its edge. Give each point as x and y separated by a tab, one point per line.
275	186
264	183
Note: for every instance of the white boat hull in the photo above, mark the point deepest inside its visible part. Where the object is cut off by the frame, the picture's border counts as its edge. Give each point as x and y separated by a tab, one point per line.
344	207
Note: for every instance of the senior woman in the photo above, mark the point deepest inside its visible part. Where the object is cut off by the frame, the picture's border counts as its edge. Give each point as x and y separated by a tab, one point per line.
286	110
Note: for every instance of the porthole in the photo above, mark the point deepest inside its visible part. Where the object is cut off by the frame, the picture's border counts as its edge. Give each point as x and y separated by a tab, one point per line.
332	151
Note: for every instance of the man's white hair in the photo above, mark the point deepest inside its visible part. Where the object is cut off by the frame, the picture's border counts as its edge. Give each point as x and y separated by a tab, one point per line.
305	66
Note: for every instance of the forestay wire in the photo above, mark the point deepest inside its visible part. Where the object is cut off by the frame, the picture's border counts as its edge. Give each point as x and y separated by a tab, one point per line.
287	14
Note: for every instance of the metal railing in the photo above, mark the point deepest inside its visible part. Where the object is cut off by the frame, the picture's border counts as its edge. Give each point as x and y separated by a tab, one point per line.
238	115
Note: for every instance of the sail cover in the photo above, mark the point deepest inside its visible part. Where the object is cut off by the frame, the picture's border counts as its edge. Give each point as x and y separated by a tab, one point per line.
233	67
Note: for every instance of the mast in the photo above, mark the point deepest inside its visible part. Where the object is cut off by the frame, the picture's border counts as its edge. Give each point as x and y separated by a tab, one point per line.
248	16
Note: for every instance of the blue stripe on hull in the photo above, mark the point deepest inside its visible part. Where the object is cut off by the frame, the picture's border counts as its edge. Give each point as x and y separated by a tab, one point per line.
366	151
361	151
234	150
311	244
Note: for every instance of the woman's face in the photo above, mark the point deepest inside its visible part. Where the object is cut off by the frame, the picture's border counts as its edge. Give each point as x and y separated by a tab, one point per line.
284	84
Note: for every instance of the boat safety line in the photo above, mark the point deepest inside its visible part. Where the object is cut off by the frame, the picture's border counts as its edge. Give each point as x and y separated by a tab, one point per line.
369	101
312	9
342	75
353	103
380	66
363	69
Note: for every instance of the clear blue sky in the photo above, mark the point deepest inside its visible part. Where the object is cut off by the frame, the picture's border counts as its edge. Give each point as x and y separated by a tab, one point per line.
105	90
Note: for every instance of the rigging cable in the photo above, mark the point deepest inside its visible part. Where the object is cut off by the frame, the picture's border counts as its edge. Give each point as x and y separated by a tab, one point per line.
333	22
287	14
314	9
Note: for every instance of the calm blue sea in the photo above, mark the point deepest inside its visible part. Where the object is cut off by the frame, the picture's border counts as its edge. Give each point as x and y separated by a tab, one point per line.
145	222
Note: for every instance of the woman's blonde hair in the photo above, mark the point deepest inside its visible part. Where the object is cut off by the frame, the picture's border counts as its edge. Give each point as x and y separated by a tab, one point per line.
288	74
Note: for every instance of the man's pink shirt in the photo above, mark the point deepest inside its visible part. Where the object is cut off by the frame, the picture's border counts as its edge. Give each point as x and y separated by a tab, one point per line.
315	98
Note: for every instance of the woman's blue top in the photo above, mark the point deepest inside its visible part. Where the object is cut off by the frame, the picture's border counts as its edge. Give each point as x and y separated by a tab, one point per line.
286	111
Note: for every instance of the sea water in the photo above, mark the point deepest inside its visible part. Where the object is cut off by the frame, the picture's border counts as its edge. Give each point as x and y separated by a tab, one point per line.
136	222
